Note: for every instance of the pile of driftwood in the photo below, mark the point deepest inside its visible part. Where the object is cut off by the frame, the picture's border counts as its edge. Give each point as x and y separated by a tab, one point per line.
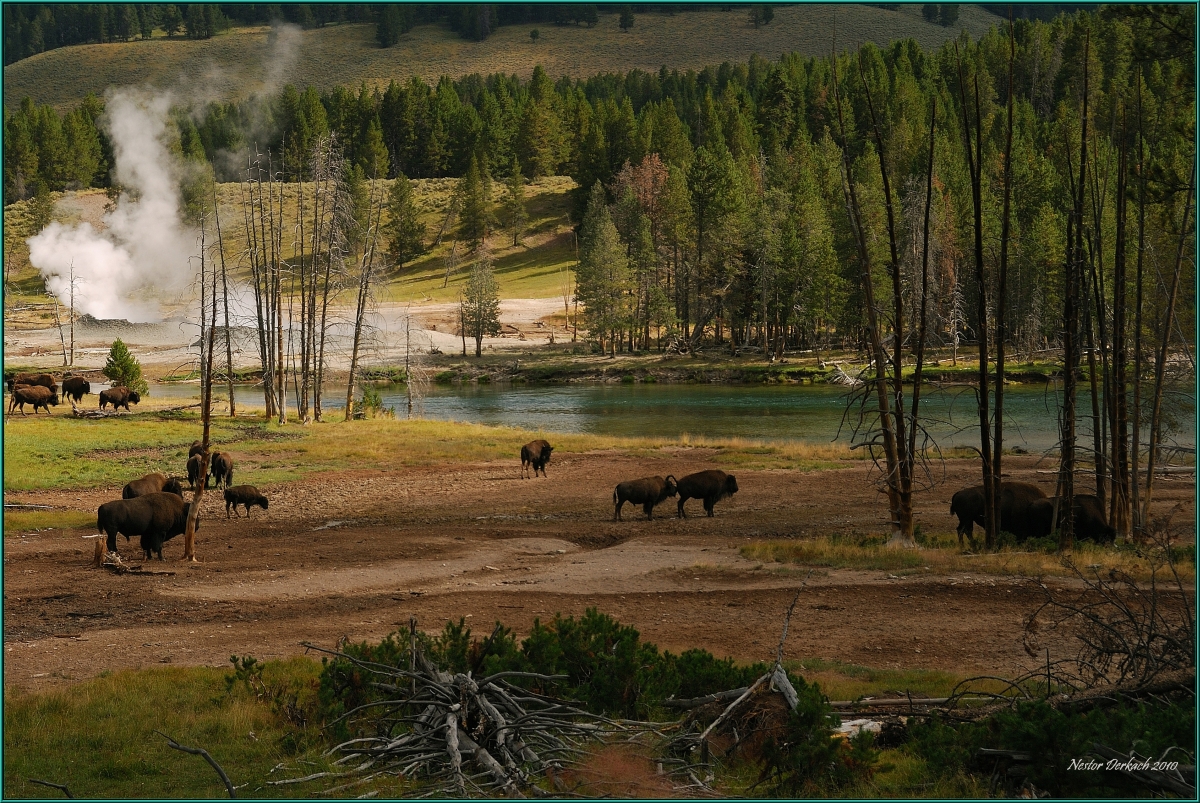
461	736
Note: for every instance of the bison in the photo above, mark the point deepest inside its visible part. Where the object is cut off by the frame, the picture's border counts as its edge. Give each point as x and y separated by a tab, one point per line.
1015	501
246	495
536	454
1090	521
76	387
43	380
220	466
195	467
712	486
197	448
156	517
647	492
37	395
119	397
151	484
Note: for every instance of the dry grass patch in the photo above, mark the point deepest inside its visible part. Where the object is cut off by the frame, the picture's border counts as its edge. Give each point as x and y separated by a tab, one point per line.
235	65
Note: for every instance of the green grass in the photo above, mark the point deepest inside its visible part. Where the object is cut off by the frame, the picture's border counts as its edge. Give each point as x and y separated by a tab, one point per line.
845	681
235	63
26	520
97	737
65	452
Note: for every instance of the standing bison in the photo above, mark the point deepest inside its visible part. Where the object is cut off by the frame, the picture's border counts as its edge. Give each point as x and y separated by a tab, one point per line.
37	395
156	517
197	448
75	388
43	380
647	492
195	467
246	495
220	465
150	484
1016	499
119	397
1090	521
536	454
712	486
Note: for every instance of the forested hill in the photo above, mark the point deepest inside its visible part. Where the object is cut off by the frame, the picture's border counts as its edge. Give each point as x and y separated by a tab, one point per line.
240	61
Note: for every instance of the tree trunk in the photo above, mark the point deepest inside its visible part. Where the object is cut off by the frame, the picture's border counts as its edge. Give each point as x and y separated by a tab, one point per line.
1002	292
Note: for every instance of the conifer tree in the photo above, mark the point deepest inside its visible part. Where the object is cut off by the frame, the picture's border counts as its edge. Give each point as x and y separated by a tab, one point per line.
404	231
514	202
481	301
124	370
602	278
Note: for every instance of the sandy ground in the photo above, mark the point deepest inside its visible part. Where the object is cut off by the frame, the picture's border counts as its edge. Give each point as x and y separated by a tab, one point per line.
354	554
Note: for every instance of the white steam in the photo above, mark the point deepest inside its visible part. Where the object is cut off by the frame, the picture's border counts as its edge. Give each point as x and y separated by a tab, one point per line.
141	256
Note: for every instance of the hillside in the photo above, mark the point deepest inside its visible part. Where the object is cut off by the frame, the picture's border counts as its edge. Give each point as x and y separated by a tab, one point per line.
247	60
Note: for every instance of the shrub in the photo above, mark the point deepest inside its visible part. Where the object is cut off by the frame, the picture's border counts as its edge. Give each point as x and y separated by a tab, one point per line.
124	370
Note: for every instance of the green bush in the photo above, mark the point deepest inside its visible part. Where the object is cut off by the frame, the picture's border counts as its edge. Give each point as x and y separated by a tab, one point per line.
124	370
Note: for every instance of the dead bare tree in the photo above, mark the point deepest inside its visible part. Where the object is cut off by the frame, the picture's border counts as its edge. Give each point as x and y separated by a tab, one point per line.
189	534
225	300
366	274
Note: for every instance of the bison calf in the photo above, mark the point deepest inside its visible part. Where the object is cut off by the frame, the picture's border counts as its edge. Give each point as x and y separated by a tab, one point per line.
647	492
220	466
76	387
152	483
246	495
1016	499
37	395
119	397
1089	518
536	454
712	486
156	517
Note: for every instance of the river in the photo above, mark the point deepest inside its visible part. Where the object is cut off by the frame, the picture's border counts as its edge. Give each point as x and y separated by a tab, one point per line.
810	413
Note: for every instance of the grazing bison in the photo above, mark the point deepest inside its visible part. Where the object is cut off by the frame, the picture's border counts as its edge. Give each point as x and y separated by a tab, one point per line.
1090	521
119	397
195	466
647	492
197	448
37	395
246	495
44	380
1015	501
220	466
536	454
156	517
712	486
152	484
76	387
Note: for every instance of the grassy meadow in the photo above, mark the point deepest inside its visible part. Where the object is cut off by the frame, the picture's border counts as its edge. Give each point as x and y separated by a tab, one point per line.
245	61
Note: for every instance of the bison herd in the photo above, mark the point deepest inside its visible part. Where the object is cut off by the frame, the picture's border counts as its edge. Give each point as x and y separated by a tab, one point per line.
42	391
153	507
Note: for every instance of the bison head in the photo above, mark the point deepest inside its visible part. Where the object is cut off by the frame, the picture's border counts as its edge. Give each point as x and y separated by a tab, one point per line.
173	486
134	398
54	398
672	487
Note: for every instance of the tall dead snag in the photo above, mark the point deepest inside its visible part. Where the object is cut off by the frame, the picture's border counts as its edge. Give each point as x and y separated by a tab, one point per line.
1160	365
365	275
225	300
1134	455
1002	290
1119	496
1073	279
975	168
189	533
899	448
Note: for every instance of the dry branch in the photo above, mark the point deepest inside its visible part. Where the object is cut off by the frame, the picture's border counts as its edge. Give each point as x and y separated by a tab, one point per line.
60	787
199	751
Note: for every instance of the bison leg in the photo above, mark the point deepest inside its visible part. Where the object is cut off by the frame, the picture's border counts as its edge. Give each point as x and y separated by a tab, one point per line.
617	510
682	499
649	508
708	506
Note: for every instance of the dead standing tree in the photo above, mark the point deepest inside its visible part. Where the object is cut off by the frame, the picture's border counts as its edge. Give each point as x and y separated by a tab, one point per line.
207	348
897	430
366	273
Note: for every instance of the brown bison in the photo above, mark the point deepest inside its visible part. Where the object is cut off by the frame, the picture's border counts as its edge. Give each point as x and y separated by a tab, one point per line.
195	466
712	486
536	454
1090	521
156	517
1015	501
44	380
119	397
76	387
197	448
37	395
220	466
246	495
647	492
152	484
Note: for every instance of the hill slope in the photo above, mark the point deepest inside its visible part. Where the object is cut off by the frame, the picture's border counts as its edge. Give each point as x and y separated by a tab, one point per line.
247	60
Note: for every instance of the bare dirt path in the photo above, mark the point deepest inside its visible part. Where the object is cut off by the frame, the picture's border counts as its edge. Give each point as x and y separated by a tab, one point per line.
354	554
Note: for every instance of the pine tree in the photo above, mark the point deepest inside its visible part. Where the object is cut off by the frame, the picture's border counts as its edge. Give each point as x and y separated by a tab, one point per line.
514	203
626	18
124	370
481	301
475	202
405	233
602	277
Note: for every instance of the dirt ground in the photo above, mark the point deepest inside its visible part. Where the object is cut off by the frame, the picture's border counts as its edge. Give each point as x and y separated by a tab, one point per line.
354	554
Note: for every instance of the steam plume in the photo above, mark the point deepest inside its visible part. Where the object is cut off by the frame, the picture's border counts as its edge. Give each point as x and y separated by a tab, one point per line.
141	256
